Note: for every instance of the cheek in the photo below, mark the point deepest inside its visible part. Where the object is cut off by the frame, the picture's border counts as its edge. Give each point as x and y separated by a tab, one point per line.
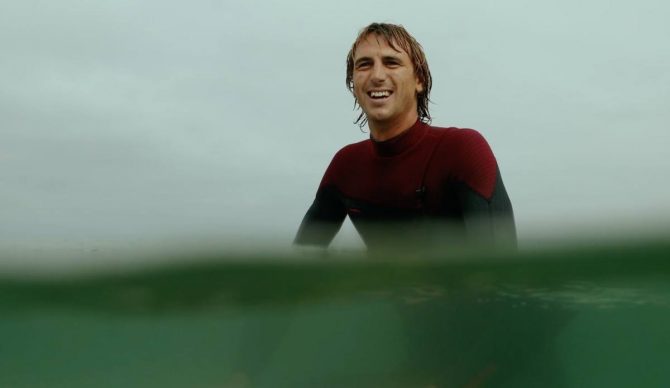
359	78
358	90
357	83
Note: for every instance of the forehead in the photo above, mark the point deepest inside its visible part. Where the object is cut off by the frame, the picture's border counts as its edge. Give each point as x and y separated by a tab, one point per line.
377	44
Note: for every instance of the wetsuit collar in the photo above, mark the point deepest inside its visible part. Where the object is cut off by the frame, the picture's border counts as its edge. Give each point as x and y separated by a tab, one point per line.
404	141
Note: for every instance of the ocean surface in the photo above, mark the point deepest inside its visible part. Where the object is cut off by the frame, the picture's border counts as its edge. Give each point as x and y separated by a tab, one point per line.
576	316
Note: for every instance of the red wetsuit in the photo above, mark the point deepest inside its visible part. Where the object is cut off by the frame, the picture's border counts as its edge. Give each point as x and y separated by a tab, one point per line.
447	175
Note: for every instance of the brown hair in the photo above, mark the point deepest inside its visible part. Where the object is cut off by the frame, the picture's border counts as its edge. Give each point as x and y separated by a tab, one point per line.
395	35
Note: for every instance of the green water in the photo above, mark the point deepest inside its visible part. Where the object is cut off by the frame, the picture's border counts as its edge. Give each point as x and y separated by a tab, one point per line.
553	318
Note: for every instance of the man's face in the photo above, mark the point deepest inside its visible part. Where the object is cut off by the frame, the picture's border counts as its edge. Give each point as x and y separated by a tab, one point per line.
384	82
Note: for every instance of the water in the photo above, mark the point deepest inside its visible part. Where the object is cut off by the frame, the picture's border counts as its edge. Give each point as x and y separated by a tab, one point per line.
580	317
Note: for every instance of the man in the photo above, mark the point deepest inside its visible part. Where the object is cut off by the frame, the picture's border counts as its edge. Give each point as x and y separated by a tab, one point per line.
410	182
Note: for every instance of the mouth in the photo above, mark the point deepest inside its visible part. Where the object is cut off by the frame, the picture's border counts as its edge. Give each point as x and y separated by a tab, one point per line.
379	94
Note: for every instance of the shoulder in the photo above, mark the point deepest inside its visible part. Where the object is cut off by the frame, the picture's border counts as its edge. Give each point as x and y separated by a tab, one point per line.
462	144
352	150
346	159
464	138
470	157
351	153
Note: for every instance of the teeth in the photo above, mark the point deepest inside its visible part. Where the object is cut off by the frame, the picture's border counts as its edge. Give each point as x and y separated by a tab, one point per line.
384	93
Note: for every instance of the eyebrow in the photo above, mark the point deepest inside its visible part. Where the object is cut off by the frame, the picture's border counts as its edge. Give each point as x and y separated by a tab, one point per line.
384	59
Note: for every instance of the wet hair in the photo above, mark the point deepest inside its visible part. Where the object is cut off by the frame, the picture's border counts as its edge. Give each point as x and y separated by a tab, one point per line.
396	36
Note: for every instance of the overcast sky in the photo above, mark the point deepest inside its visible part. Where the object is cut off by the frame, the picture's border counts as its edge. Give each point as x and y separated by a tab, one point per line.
141	120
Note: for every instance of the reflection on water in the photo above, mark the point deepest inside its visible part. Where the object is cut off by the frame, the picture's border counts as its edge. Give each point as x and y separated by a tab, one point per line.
589	295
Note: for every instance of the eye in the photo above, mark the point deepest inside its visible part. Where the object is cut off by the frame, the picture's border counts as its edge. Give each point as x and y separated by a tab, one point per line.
362	65
392	63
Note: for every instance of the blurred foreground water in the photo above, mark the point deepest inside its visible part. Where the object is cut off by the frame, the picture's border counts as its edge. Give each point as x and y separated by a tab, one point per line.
563	317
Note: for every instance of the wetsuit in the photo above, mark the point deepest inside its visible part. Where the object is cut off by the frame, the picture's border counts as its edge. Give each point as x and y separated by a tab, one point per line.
447	178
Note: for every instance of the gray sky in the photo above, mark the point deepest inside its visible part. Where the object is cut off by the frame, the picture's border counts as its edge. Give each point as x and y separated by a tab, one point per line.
130	121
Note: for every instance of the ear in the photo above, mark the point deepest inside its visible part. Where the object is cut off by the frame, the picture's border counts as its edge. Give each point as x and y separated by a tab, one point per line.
419	86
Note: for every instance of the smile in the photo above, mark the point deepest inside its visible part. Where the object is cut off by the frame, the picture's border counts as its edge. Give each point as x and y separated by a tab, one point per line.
379	93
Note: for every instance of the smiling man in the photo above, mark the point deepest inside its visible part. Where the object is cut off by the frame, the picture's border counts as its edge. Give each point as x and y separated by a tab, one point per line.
410	183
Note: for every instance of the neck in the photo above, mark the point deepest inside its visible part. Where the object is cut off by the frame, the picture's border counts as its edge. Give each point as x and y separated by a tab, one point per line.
384	130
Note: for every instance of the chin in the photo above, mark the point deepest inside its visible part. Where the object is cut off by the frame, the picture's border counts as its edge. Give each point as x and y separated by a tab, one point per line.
378	116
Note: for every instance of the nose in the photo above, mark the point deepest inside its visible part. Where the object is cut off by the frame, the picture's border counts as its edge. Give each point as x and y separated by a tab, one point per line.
378	73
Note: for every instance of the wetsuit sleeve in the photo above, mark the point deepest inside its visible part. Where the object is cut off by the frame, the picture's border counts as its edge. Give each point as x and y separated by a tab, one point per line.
323	219
486	207
488	221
